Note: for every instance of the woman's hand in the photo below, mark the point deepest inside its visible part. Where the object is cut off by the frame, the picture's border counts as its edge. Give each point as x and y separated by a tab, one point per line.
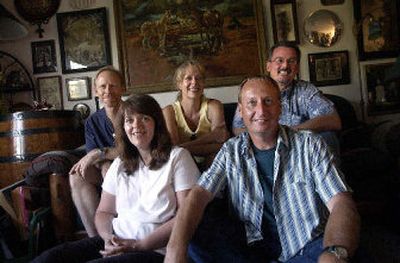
116	246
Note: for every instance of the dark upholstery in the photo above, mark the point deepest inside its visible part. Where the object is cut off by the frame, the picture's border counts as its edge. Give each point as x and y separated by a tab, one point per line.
229	112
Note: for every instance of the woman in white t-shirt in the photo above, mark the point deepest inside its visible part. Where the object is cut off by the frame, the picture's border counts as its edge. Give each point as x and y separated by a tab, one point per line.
141	193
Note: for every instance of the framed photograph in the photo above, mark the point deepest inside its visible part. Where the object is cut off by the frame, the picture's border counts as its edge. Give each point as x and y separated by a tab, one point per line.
44	56
155	40
284	21
50	89
377	27
78	88
84	40
83	109
332	2
381	96
329	68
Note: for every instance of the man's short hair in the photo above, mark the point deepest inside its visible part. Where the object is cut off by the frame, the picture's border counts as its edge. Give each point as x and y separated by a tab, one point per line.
287	45
113	70
264	78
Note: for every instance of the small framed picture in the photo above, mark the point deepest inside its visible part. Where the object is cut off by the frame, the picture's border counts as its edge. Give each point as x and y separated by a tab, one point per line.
44	56
50	90
78	88
284	21
329	68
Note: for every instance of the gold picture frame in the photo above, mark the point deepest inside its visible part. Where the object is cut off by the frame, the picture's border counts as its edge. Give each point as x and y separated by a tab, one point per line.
153	41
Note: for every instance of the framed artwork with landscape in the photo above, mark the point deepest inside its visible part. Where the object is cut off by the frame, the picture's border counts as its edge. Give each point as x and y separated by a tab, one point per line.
84	40
329	68
377	28
227	37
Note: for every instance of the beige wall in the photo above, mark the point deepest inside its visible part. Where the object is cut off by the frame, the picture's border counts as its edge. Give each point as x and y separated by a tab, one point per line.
21	49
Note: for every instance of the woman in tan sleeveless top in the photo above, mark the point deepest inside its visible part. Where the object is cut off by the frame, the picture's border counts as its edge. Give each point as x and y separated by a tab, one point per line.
194	121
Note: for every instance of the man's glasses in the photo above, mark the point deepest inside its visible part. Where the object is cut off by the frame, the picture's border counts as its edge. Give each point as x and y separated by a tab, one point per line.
289	61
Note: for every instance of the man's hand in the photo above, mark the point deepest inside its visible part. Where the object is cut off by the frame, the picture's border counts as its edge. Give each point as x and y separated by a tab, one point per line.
83	164
116	246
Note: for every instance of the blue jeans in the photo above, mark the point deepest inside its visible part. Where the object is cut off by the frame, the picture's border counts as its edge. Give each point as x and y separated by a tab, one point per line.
221	237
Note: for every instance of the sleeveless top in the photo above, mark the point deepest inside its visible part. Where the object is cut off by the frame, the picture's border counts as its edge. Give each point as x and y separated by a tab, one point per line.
184	132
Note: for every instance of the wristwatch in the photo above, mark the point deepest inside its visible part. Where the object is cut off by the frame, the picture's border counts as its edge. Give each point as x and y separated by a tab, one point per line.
339	252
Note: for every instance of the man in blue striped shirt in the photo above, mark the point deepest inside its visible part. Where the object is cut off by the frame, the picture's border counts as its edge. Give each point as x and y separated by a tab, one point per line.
284	186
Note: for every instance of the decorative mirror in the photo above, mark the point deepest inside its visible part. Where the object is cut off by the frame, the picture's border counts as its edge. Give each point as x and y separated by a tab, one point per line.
323	28
37	12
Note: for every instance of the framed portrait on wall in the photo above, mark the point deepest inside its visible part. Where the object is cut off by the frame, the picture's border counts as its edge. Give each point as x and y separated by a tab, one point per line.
377	28
284	21
329	68
154	41
44	56
50	89
84	40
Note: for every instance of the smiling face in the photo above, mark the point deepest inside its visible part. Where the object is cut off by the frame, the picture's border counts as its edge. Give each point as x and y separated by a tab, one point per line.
109	88
192	83
139	129
283	66
260	106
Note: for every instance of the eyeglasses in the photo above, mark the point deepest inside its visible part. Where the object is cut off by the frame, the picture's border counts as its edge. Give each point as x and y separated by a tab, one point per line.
289	61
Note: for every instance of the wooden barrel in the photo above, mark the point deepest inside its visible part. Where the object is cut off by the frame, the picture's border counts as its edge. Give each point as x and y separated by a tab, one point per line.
26	135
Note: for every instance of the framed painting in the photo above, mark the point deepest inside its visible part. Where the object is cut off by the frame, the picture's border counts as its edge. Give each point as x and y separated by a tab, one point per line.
50	90
329	68
155	39
377	27
332	2
78	88
84	40
44	56
381	96
284	21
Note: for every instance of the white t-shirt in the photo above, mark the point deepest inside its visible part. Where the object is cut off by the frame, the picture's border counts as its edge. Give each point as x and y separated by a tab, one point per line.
146	199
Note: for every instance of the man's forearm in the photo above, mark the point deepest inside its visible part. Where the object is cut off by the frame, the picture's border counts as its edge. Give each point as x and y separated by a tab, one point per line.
330	122
186	222
343	225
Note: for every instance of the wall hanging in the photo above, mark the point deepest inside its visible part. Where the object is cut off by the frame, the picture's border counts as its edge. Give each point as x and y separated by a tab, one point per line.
284	21
153	41
37	12
84	40
323	28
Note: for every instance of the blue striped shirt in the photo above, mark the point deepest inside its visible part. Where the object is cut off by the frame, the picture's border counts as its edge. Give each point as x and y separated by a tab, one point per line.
305	179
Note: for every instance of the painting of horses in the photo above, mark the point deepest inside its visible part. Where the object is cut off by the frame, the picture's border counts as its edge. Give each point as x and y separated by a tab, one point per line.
156	36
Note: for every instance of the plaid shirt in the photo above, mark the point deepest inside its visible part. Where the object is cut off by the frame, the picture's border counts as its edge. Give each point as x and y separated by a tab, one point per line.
300	102
305	179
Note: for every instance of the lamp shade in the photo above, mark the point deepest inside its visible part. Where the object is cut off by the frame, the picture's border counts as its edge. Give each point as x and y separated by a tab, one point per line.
10	27
393	73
